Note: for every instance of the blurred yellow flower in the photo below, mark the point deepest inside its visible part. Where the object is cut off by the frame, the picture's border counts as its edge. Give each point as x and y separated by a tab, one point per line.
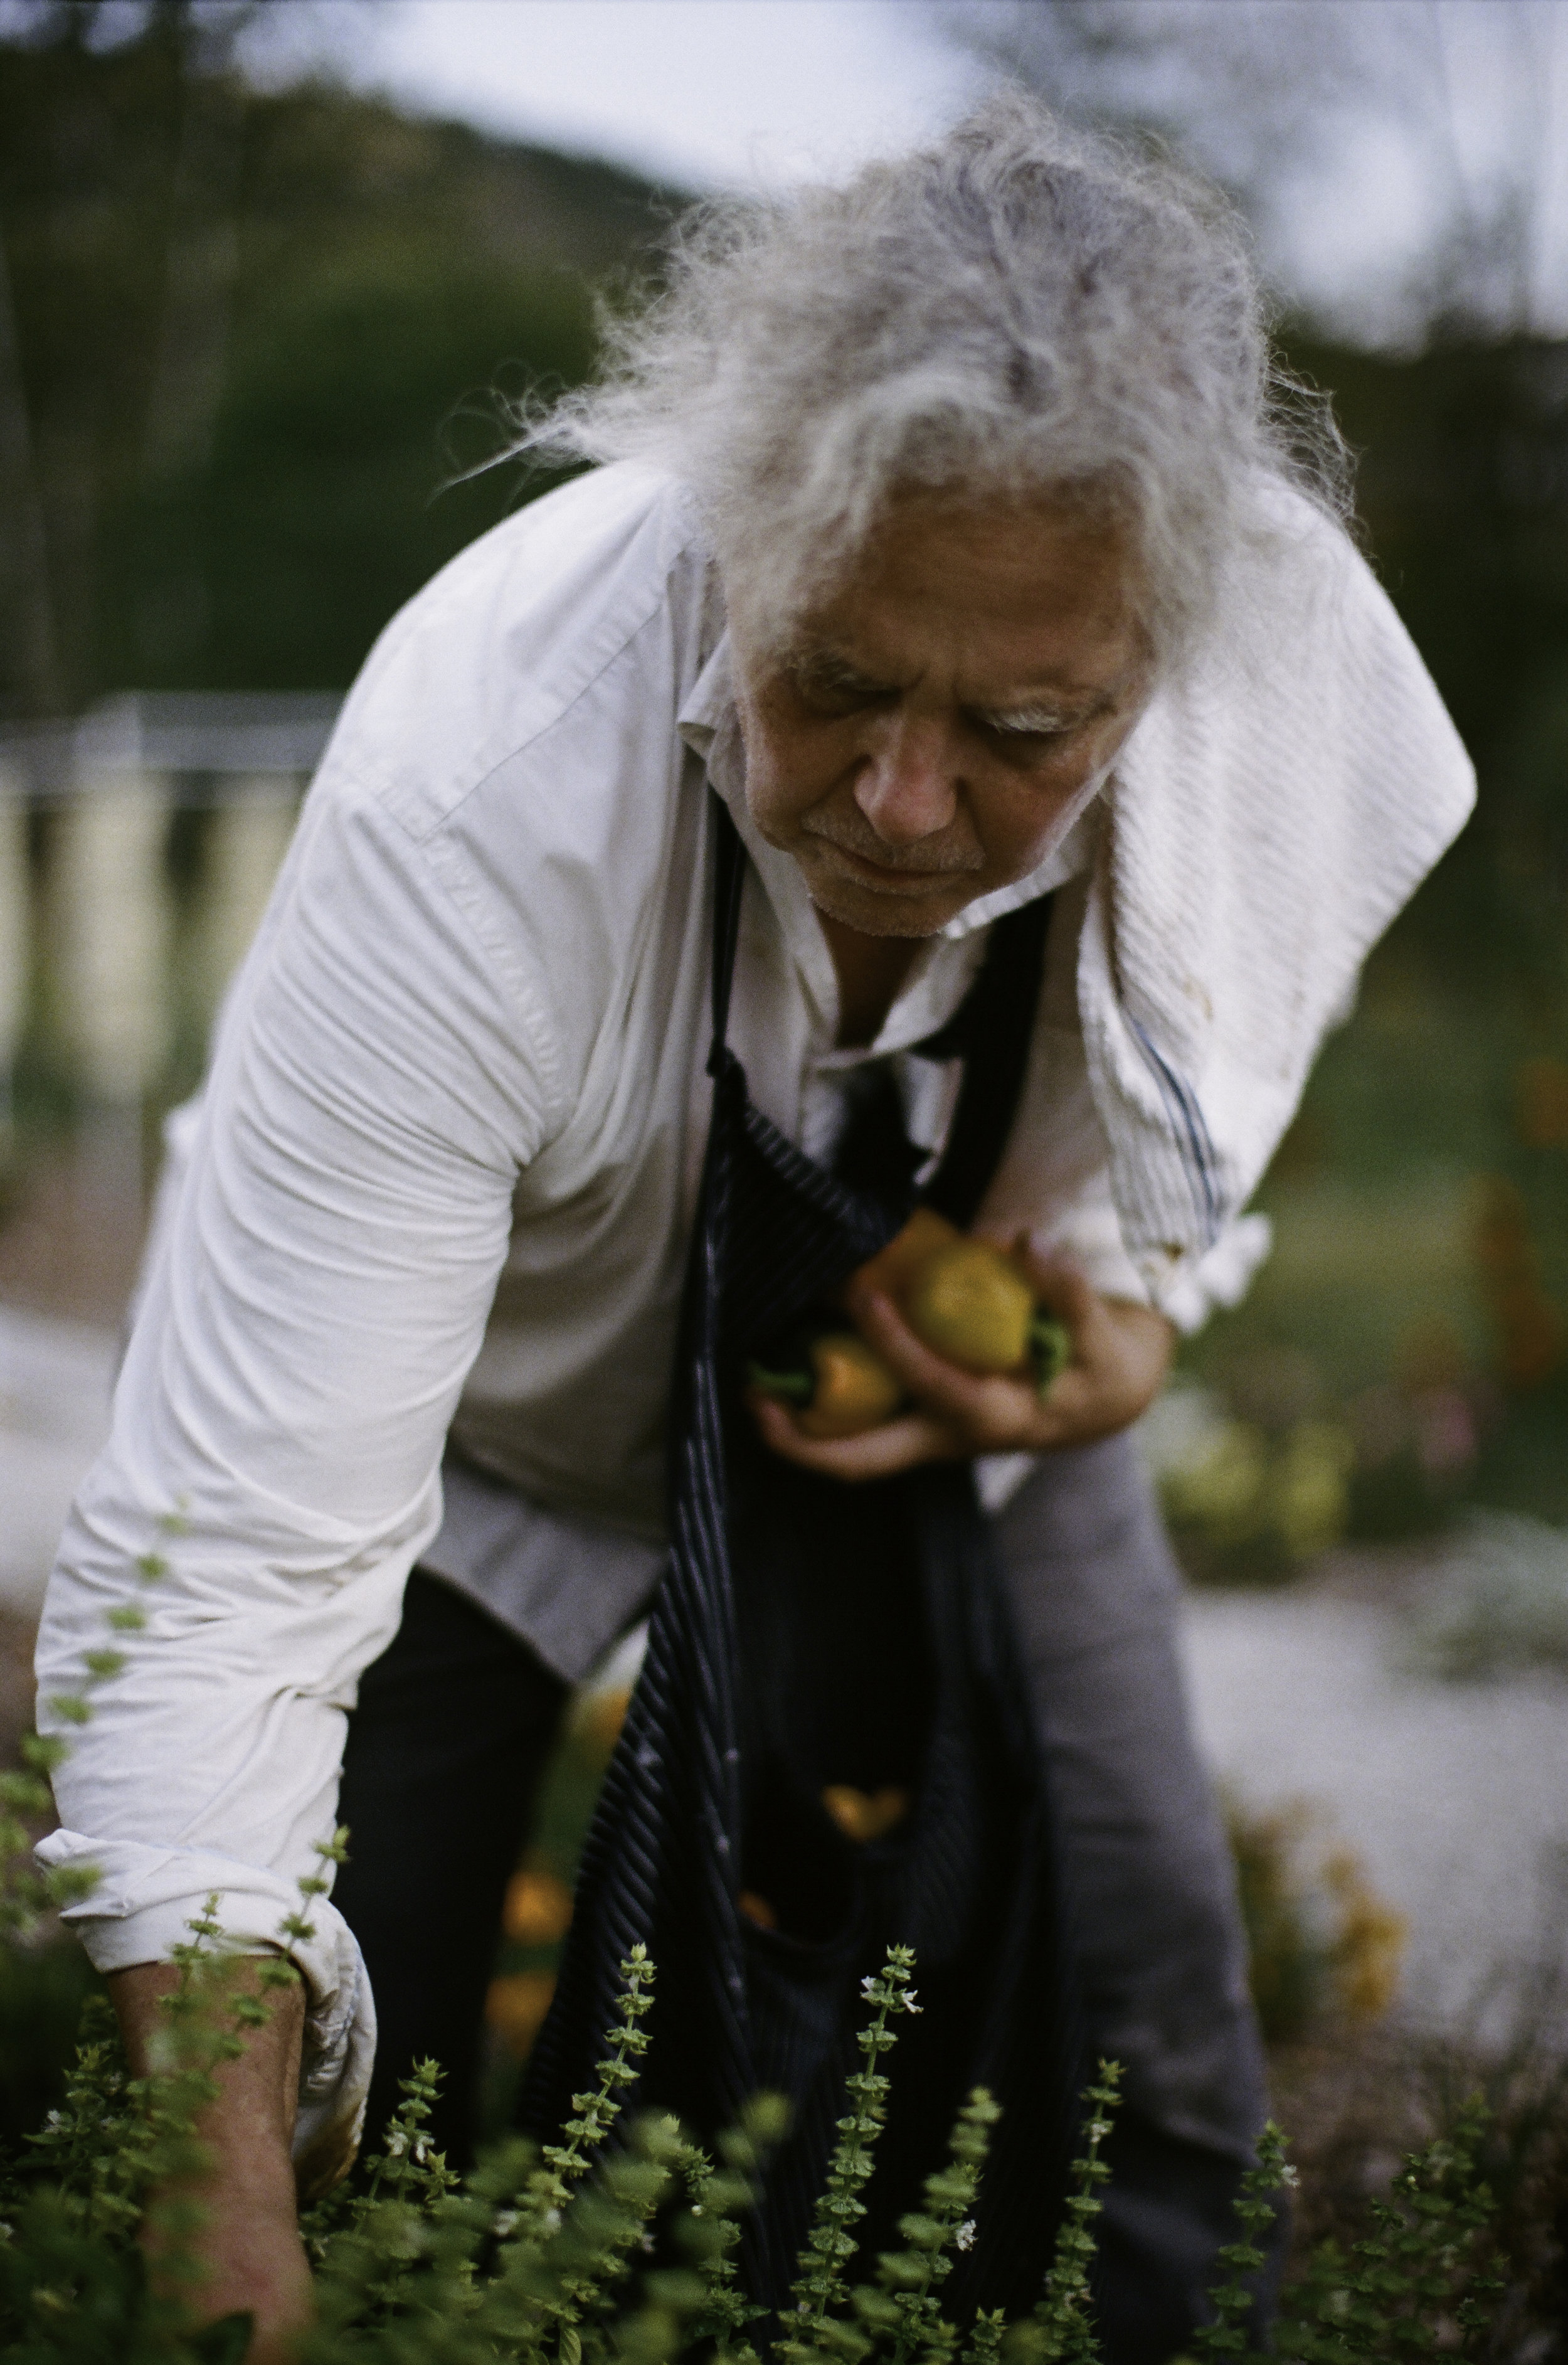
1309	1487
516	2005
1222	1490
538	1909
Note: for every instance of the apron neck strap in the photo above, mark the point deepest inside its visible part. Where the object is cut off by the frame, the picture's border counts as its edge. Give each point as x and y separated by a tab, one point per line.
729	884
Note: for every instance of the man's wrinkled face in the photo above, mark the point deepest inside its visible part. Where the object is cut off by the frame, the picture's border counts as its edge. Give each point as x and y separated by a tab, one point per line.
935	721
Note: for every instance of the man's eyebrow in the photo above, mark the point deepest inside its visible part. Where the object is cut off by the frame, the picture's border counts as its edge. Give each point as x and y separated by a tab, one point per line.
1045	710
832	668
825	667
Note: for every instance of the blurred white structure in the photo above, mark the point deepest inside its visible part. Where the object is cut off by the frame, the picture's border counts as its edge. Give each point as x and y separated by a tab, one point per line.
247	838
16	931
111	934
92	930
138	848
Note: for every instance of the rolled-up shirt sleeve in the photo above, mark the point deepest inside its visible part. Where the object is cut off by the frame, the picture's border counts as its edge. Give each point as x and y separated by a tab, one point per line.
316	1295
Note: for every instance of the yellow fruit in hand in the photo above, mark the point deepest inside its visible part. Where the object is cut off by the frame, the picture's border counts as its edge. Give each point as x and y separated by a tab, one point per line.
891	1270
970	1304
855	1389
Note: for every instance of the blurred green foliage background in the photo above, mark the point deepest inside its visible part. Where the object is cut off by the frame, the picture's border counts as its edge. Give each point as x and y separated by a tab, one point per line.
244	332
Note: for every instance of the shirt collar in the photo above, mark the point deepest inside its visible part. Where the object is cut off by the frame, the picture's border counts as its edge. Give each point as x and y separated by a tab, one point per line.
711	701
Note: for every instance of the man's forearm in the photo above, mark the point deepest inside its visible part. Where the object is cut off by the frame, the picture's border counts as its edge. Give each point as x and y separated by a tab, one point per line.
250	2243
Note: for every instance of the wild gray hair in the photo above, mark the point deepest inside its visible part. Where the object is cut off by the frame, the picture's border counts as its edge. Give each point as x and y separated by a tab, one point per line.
1020	310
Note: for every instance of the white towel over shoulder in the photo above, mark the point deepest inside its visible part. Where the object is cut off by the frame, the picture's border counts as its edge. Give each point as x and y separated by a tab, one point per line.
1270	815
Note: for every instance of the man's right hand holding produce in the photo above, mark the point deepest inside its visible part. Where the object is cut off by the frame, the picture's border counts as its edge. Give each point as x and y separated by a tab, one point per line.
1120	1353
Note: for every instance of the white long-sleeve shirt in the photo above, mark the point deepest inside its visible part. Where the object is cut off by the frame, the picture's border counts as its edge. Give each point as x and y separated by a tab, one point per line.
444	1170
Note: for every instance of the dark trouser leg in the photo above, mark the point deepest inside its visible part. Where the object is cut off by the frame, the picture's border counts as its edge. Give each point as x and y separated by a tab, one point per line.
1096	1591
445	1750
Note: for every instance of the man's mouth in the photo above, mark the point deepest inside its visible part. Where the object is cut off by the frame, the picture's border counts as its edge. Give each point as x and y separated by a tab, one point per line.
905	877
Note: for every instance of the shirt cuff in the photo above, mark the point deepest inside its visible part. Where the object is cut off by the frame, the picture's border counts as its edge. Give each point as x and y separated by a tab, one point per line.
140	1909
1190	1291
1185	1289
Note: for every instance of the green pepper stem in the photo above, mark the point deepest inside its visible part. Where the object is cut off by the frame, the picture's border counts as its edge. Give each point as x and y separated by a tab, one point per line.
795	1387
1050	1350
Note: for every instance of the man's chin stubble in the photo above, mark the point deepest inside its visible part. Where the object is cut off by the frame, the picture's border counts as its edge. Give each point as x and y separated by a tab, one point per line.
872	914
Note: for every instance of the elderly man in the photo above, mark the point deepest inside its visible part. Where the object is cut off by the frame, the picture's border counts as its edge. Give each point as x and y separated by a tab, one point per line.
955	551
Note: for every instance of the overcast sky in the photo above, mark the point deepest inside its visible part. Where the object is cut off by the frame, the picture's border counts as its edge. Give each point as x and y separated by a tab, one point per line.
707	93
734	93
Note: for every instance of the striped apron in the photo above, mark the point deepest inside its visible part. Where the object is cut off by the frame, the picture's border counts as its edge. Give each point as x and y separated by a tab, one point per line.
809	1633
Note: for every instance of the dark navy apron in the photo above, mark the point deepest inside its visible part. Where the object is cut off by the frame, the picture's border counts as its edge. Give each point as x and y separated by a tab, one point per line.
809	1633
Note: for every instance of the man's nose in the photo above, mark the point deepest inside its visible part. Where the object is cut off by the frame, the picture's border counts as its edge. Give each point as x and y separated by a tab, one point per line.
908	788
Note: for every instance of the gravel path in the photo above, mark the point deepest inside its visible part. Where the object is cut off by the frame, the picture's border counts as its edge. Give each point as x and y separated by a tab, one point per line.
1455	1795
55	1380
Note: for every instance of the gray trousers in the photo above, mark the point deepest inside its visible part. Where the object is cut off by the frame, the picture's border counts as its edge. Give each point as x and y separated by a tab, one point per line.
1151	1891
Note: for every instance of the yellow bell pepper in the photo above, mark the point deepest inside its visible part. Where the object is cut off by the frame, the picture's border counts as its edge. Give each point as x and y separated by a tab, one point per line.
840	1388
964	1299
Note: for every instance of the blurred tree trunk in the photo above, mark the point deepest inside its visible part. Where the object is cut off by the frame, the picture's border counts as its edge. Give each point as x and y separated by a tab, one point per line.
35	686
120	161
242	315
200	269
200	273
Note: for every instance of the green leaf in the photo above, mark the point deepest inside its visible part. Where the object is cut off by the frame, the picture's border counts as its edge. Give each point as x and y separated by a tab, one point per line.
227	2342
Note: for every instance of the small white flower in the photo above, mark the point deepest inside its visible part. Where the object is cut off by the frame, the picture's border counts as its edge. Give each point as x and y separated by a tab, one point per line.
964	2239
909	2002
53	2119
1290	2176
646	2243
422	2151
396	2144
866	1984
506	2223
552	2221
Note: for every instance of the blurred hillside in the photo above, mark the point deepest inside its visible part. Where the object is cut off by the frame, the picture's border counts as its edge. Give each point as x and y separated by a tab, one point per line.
238	335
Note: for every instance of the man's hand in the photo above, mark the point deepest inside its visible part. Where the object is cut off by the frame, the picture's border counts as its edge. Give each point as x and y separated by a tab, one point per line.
250	2243
1121	1354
